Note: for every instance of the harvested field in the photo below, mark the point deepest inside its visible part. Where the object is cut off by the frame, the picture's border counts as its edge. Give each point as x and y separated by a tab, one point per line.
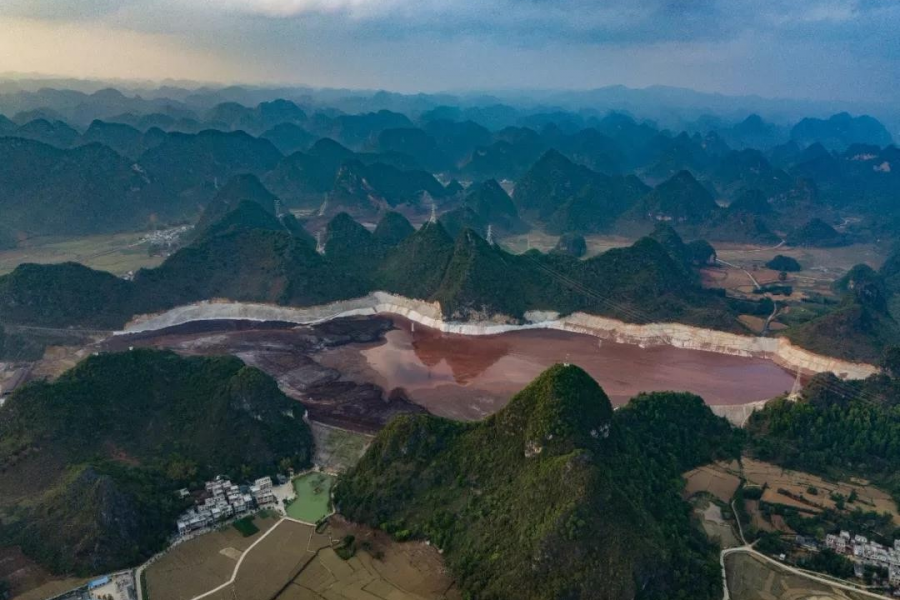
719	479
271	565
380	570
751	578
798	484
200	564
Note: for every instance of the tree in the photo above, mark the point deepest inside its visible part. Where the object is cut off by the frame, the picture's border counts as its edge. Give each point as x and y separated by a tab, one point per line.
890	361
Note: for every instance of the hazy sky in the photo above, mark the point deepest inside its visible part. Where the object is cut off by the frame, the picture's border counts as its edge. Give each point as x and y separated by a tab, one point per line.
820	49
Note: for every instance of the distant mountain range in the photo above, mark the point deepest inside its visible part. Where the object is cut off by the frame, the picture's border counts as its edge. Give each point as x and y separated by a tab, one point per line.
571	174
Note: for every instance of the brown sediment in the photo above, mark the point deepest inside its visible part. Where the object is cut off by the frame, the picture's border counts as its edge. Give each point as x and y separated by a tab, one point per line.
465	377
355	373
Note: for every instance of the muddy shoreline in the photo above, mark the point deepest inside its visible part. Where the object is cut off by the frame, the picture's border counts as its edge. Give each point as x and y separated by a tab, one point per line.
359	372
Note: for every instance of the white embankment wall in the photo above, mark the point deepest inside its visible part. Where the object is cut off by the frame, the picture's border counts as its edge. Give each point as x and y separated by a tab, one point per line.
779	350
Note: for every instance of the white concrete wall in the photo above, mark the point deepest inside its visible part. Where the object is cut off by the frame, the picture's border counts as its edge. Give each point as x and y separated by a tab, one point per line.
780	350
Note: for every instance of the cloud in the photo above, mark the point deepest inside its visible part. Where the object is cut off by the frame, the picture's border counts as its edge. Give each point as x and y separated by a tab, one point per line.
94	51
822	48
293	8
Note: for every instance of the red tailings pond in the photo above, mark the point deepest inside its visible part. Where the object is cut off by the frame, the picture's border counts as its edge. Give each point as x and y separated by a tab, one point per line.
469	377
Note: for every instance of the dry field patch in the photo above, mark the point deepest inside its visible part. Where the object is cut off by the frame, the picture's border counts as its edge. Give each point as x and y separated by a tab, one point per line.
798	484
751	578
718	479
270	565
381	570
200	564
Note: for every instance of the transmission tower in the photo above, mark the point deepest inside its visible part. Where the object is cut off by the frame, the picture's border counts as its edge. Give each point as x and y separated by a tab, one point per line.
433	218
490	234
320	248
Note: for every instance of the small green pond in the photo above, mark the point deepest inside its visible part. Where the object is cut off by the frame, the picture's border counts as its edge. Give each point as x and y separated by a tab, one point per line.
313	500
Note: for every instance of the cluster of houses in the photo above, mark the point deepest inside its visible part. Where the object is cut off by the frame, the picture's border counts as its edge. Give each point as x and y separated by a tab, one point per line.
864	551
223	500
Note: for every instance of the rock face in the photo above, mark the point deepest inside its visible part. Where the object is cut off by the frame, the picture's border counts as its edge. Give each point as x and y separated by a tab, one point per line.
779	350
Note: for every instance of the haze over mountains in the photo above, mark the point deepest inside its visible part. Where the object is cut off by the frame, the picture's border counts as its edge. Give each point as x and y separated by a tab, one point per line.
126	162
266	184
291	202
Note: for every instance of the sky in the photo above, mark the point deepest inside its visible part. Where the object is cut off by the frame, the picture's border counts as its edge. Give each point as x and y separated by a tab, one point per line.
845	50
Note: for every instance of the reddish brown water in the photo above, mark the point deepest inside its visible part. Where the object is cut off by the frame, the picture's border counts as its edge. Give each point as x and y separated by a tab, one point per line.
468	377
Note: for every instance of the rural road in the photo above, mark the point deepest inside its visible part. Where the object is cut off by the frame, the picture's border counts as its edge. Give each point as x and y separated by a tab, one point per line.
748	548
733	266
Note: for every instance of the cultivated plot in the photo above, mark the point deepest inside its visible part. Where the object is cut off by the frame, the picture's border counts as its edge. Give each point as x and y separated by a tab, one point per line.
752	578
200	564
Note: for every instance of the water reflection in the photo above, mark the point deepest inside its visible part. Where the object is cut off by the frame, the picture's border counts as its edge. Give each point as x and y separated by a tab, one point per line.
468	377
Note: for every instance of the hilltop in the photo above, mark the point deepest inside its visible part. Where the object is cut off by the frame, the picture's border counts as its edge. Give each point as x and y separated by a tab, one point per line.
248	255
861	327
102	450
546	498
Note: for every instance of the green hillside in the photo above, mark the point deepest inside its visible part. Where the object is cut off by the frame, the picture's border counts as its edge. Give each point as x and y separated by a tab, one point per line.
103	448
555	496
238	189
860	328
249	255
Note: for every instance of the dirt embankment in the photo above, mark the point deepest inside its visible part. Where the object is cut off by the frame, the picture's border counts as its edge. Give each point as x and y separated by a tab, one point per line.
779	350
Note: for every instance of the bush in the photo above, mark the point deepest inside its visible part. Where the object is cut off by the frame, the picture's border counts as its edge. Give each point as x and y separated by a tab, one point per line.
347	548
246	526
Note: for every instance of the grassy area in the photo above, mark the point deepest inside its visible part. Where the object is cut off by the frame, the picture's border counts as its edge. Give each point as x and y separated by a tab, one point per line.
313	500
246	526
336	449
117	253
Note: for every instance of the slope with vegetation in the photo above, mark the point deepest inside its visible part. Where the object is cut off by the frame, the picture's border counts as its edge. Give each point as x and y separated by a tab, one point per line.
839	429
89	464
249	255
554	496
861	327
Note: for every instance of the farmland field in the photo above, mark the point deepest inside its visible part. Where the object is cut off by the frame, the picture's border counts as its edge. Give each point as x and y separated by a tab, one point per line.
273	562
200	564
380	570
799	484
751	578
718	479
117	253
